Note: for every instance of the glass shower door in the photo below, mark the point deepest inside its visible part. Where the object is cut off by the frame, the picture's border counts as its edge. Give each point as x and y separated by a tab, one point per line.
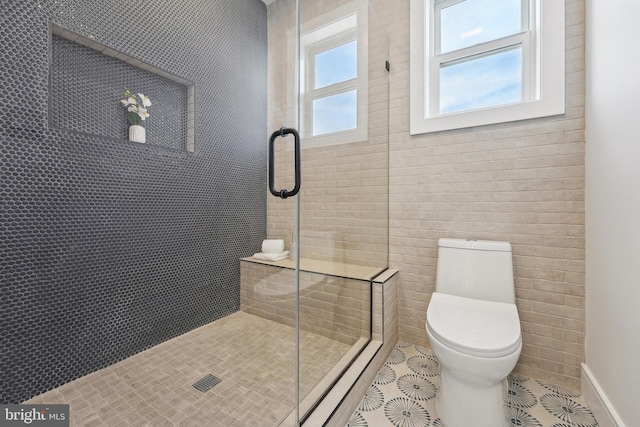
328	80
342	218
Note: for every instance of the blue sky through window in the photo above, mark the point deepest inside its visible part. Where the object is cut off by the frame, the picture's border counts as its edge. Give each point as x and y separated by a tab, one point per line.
335	113
483	82
495	78
336	65
471	22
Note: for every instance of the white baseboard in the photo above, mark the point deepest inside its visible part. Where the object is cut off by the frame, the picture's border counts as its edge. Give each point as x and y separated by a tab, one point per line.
598	402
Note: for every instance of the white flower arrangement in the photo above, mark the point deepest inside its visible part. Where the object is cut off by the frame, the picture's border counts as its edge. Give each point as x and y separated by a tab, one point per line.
136	106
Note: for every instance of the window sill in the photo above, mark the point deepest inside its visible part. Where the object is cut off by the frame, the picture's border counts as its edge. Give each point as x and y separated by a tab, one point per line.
488	116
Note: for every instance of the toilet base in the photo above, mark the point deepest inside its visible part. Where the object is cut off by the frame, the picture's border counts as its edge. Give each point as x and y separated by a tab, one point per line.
462	404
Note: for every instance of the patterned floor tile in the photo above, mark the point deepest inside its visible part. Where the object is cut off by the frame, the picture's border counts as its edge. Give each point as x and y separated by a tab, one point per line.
403	395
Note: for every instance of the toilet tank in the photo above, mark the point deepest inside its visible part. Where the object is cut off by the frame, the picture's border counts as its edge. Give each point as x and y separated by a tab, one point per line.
479	269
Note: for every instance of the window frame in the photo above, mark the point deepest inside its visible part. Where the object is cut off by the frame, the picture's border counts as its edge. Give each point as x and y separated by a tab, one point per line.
341	26
543	68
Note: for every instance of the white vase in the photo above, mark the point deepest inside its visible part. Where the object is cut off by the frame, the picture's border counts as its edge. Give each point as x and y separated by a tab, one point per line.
137	133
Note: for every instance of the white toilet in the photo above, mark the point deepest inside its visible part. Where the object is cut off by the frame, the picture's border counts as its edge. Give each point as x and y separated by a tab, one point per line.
474	330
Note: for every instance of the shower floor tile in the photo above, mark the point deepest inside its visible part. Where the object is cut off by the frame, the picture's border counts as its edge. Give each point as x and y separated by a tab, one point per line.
403	394
254	358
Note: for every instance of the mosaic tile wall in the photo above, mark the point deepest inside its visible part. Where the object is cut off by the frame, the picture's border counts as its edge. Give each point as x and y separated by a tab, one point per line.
109	247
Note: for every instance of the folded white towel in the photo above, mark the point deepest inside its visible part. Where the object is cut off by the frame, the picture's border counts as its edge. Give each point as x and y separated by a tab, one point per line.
271	257
272	246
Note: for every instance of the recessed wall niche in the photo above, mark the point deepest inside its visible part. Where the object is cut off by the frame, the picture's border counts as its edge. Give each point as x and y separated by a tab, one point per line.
87	80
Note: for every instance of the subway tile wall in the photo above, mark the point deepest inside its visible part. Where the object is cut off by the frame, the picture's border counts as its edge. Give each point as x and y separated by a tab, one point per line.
521	182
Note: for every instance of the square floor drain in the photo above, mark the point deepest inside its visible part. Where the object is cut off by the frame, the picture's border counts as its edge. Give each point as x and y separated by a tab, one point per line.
206	383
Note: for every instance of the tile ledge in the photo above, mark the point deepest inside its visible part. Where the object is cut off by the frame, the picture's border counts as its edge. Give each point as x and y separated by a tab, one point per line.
331	268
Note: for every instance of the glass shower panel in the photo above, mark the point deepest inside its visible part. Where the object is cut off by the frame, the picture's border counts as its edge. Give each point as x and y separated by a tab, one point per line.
343	202
336	227
335	318
277	291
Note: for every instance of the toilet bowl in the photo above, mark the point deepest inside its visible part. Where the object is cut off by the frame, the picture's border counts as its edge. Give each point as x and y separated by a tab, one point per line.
474	330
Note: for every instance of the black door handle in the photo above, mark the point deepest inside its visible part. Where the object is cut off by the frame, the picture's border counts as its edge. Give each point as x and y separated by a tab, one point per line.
296	146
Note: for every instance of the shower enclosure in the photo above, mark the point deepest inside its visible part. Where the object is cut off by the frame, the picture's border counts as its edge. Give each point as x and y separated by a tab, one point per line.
328	120
128	290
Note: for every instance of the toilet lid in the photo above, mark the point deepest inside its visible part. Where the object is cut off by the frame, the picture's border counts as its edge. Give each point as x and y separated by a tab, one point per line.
474	327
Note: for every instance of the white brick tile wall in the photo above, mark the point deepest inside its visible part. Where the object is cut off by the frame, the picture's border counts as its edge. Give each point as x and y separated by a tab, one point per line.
522	182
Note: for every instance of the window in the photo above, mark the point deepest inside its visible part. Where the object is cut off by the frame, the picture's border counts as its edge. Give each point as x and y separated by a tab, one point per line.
477	62
333	79
332	85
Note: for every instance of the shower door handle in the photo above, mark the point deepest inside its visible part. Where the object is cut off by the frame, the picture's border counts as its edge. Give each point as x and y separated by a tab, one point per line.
284	131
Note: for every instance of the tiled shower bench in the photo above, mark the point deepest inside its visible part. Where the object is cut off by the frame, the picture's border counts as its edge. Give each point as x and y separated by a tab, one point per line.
334	303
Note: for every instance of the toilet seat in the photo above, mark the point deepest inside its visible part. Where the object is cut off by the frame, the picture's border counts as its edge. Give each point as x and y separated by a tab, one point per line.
474	327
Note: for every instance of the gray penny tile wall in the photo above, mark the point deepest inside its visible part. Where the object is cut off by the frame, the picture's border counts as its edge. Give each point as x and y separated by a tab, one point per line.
109	247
